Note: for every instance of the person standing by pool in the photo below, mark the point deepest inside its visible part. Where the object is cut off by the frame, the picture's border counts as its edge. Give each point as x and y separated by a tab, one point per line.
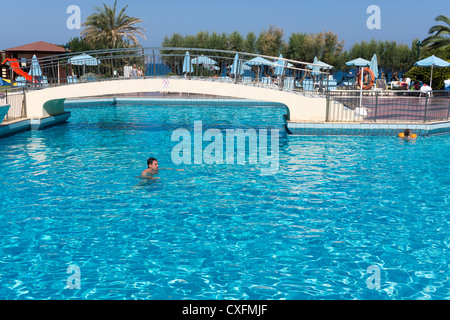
134	72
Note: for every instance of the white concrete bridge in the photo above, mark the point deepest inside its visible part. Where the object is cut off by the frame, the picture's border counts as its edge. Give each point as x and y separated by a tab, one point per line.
175	70
50	101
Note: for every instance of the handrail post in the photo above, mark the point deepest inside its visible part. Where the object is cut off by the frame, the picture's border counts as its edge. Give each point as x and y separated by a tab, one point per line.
190	64
283	75
376	106
448	113
426	107
24	104
327	114
144	68
153	60
237	69
98	66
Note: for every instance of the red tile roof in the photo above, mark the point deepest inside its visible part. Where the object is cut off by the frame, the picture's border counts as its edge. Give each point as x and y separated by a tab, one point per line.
39	46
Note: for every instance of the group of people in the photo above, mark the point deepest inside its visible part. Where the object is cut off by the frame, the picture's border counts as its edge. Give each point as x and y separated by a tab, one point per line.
136	72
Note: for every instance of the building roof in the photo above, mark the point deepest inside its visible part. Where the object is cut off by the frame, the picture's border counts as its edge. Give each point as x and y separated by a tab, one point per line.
39	46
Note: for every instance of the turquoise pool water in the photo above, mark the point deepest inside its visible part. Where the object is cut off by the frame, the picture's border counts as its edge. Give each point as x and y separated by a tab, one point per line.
338	207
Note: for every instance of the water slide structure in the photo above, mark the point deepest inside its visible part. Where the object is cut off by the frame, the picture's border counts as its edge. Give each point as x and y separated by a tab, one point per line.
14	64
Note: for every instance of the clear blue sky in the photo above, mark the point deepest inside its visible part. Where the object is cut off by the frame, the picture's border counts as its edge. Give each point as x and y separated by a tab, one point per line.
28	21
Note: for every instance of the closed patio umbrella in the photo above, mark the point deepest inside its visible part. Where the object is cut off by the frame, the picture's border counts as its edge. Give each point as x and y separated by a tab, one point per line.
374	65
280	65
187	64
35	70
315	69
236	67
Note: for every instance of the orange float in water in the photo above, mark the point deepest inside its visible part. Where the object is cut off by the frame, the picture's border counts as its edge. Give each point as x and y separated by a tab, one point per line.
402	135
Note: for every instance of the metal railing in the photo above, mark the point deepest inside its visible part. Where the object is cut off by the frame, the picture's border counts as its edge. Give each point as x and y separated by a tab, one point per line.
233	67
395	105
16	99
214	65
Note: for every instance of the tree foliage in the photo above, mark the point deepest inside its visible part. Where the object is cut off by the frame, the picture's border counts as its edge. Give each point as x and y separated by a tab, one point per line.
112	28
439	38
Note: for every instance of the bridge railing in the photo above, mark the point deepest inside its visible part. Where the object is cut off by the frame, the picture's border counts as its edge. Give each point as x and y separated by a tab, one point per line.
188	63
388	105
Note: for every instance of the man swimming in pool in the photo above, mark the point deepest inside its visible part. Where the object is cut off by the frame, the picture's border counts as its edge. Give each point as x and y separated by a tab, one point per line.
153	169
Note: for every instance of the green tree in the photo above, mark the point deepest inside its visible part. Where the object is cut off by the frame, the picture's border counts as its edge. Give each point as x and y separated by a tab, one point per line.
270	42
78	44
324	45
440	36
295	49
235	42
250	43
112	27
201	40
217	41
392	57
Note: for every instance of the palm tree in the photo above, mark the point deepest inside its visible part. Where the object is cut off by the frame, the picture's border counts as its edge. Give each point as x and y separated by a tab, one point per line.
114	30
441	39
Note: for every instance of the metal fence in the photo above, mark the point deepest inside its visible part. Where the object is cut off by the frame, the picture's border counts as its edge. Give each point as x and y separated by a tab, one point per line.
16	100
350	105
237	67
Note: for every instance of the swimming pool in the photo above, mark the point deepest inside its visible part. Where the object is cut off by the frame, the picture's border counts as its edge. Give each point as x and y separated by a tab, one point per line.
343	218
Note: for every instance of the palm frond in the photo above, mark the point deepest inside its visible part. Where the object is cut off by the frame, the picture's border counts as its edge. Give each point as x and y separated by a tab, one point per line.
115	28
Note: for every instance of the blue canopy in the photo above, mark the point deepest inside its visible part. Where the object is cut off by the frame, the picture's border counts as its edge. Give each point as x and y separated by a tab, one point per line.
432	62
84	60
259	61
203	60
360	62
187	64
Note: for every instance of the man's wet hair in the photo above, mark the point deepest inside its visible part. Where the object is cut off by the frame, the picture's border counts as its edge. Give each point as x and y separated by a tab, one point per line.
150	161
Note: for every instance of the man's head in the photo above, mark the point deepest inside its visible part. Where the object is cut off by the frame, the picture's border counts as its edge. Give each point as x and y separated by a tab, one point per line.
152	163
